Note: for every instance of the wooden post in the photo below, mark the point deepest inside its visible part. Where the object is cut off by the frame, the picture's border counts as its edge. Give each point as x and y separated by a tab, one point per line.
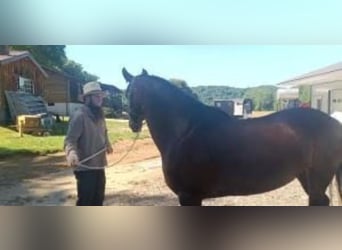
21	124
67	98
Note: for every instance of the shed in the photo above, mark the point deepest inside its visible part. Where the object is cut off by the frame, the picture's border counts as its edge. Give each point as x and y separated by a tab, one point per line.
61	92
19	71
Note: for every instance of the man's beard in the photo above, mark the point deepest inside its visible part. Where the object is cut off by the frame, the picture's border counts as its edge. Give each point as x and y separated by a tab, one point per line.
96	111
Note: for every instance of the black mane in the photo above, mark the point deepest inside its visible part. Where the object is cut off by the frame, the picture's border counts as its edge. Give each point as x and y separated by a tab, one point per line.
189	101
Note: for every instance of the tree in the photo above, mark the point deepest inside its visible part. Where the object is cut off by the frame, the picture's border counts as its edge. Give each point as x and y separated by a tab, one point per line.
305	94
263	97
208	94
75	70
89	77
52	56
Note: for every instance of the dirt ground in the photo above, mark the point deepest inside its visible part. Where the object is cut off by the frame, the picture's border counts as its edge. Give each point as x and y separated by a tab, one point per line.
136	180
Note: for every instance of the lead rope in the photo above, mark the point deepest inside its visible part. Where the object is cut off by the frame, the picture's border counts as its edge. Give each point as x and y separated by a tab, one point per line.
103	150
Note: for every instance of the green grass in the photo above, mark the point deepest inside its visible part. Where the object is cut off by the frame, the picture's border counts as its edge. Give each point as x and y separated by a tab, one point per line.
118	130
12	145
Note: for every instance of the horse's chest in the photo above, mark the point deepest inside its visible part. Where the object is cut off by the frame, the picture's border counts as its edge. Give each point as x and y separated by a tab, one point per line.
189	174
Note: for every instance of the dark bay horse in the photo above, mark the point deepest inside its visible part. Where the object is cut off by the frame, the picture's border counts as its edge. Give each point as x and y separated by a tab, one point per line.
206	153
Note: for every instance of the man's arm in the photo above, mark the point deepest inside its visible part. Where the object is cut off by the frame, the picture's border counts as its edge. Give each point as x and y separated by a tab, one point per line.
108	144
70	142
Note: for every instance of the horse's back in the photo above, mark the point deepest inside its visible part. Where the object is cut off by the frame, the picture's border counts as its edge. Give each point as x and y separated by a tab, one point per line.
311	124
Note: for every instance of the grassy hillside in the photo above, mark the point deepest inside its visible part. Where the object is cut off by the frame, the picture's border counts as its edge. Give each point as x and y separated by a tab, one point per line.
263	96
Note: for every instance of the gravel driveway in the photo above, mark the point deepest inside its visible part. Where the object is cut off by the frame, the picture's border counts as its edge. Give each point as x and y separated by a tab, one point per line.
139	183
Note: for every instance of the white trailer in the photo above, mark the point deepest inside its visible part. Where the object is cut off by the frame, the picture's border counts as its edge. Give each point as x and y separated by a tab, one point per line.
238	107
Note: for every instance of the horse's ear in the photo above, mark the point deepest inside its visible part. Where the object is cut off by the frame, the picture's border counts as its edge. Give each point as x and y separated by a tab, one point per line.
128	77
144	72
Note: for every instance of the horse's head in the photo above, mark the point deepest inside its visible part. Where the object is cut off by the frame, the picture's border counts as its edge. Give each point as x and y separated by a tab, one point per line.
134	95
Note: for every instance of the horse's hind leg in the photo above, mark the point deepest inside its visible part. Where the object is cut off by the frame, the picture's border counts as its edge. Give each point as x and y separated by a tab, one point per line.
186	199
315	185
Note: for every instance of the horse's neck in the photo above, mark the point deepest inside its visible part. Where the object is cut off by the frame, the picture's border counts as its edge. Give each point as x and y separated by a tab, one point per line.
168	119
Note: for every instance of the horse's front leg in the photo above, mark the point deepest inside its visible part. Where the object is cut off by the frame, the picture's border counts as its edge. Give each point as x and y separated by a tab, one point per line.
186	199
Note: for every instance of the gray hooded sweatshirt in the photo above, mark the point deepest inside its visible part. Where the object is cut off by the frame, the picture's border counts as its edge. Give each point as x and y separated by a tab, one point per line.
85	138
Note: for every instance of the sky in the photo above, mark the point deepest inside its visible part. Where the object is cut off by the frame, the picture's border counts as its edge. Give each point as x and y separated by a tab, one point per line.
171	22
239	43
230	65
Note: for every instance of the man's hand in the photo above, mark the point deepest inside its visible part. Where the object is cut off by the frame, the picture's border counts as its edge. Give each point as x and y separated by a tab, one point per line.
72	160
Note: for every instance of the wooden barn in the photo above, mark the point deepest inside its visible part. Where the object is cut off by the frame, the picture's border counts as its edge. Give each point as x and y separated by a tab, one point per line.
61	92
19	71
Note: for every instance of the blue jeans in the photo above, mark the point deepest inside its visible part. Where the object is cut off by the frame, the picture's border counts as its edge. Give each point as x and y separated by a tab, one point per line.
90	187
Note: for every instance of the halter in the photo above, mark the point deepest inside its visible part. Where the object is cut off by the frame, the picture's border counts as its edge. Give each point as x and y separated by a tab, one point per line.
128	96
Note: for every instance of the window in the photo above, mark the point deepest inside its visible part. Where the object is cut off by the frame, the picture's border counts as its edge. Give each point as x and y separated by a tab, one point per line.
26	85
319	104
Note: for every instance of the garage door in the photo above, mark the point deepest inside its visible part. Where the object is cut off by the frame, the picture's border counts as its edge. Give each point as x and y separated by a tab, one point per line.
336	100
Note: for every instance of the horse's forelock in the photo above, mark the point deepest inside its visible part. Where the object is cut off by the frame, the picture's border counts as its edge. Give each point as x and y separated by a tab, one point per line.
136	88
135	83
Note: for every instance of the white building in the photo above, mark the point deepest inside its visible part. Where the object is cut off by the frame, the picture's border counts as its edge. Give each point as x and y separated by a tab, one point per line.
287	98
325	85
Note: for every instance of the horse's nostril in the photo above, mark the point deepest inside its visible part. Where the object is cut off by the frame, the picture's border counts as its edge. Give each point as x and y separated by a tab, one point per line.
136	127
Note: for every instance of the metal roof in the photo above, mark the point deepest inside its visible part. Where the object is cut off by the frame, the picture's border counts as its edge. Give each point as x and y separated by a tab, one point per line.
327	74
18	55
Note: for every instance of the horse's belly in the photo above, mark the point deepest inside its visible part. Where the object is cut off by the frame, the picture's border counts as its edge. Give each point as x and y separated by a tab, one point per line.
209	179
254	183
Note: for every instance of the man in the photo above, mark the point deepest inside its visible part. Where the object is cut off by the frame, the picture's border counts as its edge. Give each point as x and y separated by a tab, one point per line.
86	136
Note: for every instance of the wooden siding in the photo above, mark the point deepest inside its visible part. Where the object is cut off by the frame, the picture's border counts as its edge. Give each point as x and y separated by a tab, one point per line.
9	77
75	91
56	88
59	88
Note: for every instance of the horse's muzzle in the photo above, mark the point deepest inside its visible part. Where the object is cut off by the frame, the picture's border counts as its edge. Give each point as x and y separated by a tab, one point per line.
135	126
